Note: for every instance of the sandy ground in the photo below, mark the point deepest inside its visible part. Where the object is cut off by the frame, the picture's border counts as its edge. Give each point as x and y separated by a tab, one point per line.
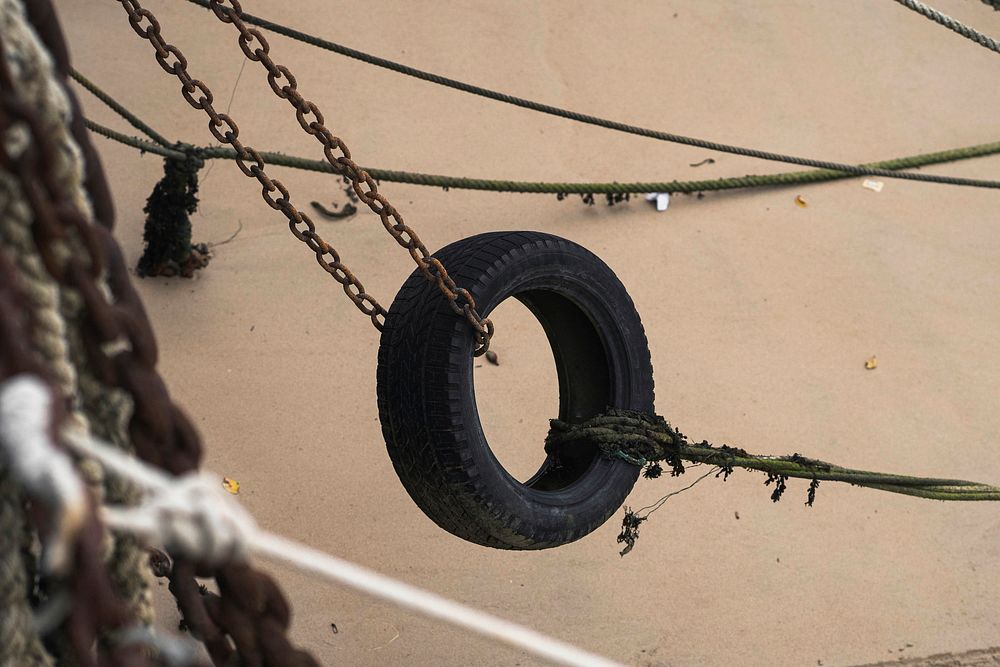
760	314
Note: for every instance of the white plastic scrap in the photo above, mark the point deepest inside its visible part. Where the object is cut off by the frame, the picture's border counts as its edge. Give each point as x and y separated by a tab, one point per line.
874	186
662	200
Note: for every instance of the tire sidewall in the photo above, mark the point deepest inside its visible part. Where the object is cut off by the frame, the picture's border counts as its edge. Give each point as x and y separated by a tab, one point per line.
519	516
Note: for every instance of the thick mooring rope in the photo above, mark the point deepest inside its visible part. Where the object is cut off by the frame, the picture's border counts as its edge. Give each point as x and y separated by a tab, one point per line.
57	312
856	170
248	619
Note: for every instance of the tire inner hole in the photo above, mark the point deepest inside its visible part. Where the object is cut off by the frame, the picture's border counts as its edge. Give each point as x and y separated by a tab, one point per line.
551	363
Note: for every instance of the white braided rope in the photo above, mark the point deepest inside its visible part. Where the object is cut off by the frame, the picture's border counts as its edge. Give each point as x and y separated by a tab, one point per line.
193	516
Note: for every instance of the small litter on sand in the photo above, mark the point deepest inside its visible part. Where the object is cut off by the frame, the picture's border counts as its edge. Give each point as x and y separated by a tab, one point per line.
871	363
800	202
874	186
662	200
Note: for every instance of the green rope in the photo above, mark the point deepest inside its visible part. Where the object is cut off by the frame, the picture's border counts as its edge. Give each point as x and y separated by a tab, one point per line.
534	187
648	439
135	142
115	106
857	170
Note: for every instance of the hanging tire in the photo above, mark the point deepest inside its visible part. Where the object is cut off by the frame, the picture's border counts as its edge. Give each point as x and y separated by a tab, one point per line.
427	402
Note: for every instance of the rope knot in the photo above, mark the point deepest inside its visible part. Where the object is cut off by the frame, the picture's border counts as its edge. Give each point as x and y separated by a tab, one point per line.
194	157
635	437
191	517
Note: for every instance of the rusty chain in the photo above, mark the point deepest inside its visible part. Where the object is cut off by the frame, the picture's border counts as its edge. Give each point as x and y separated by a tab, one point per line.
310	118
247	621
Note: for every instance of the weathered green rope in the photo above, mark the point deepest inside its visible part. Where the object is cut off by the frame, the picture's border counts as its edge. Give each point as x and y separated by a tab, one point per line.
115	106
641	439
857	170
536	187
135	142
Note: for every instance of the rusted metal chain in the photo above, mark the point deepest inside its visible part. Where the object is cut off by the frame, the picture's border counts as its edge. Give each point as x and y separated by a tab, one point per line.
256	48
225	130
250	162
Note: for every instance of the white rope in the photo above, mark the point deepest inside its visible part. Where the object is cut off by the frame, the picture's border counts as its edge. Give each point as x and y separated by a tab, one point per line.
427	603
191	515
44	469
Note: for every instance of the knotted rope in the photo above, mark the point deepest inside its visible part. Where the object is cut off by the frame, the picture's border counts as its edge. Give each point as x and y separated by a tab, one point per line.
114	353
44	469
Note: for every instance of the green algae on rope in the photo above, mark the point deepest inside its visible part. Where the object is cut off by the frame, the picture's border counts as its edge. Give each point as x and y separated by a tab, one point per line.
162	147
564	188
167	233
646	440
650	438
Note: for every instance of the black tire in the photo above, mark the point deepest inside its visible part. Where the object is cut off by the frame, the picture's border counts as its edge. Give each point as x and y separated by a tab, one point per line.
427	403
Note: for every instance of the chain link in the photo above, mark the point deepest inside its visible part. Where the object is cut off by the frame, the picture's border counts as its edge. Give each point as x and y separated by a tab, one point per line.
280	79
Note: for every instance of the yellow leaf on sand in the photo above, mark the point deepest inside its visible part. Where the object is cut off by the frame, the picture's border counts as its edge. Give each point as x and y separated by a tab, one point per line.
871	363
800	202
230	485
